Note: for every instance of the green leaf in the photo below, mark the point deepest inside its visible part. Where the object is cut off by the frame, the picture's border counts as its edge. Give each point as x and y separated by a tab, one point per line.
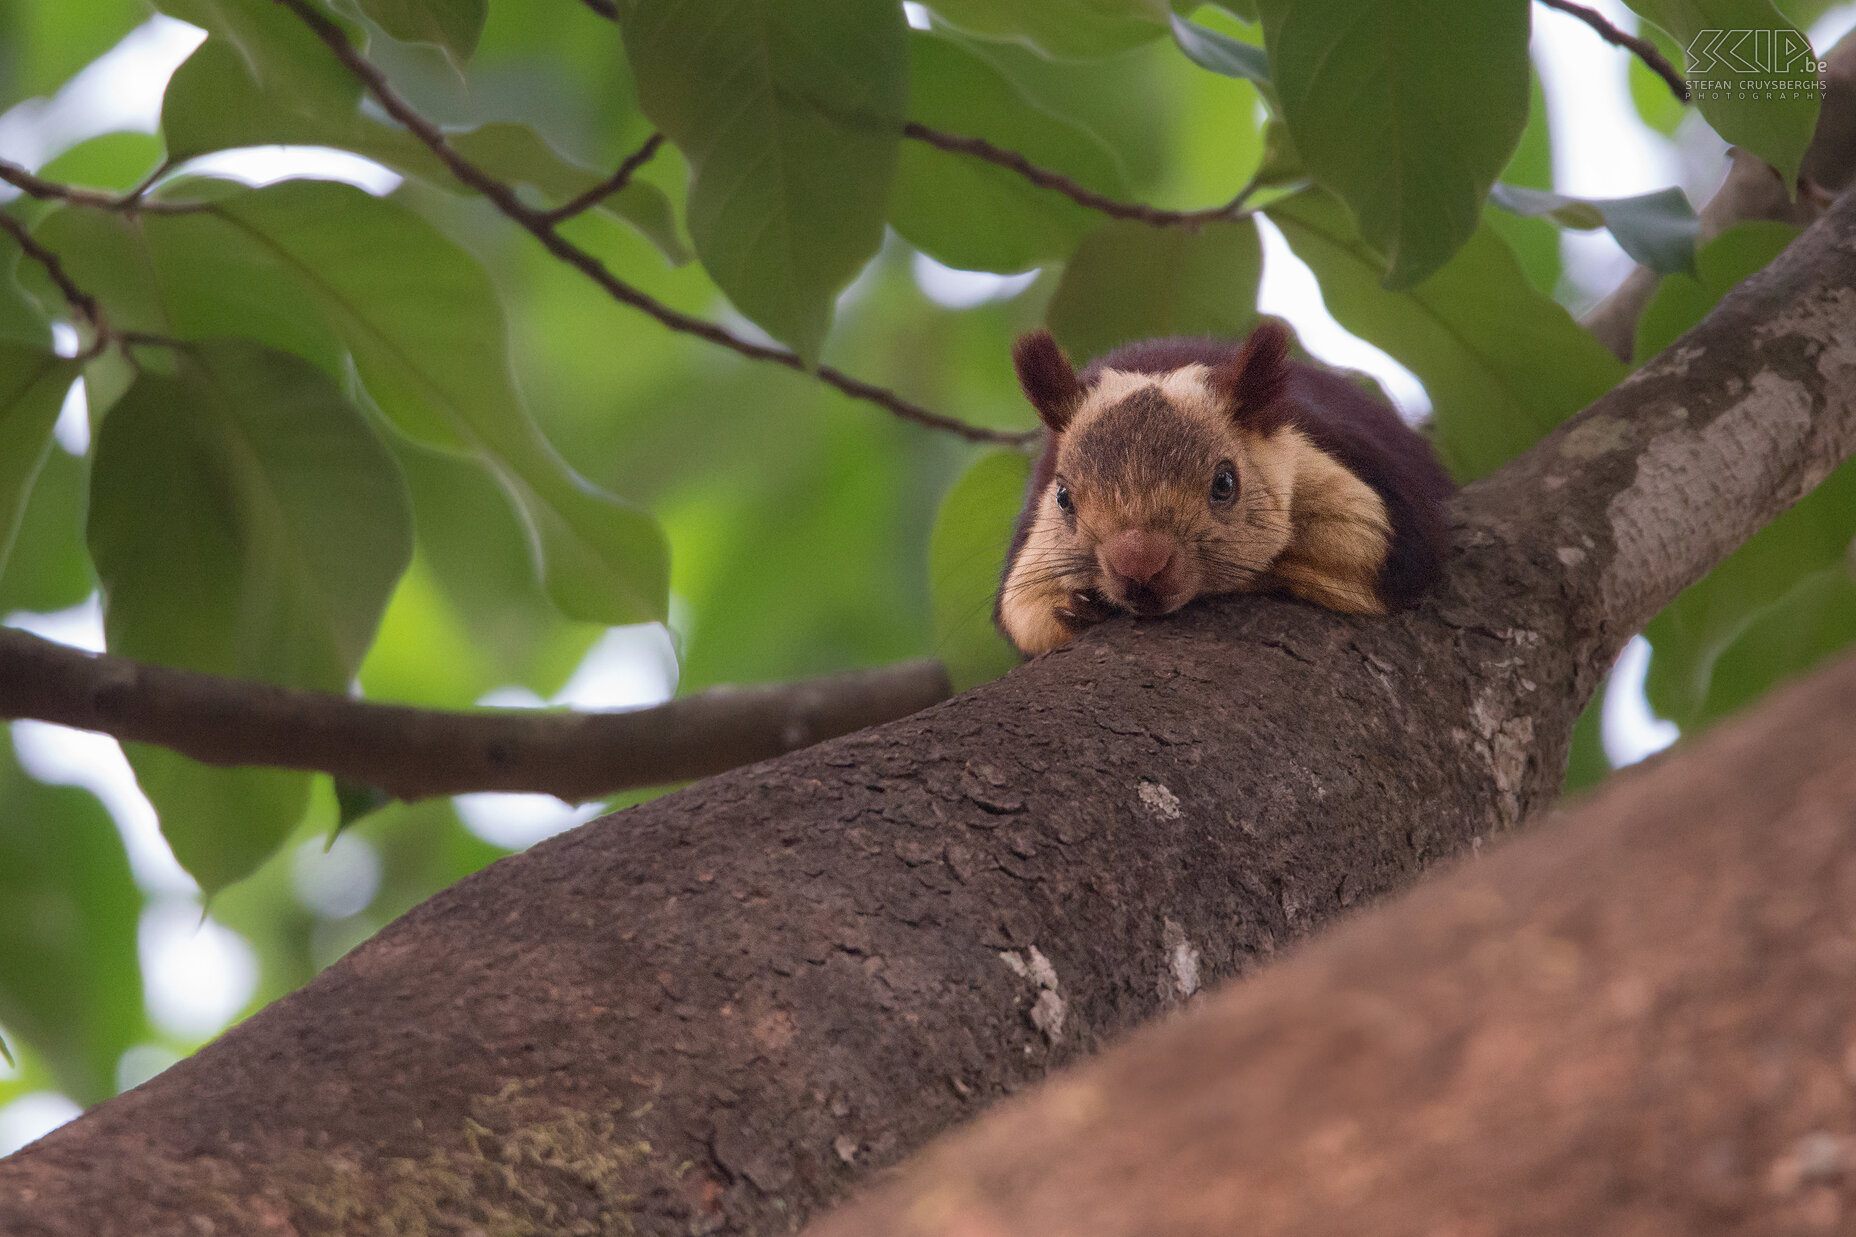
1681	301
1656	104
1220	52
1406	109
49	568
1732	47
46	44
118	160
245	521
279	52
790	116
70	984
1060	29
1129	281
216	100
1503	363
1657	229
966	557
454	25
33	383
425	326
973	215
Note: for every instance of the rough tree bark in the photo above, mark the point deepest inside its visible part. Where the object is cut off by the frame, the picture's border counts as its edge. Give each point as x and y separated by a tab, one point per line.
1640	1019
724	1008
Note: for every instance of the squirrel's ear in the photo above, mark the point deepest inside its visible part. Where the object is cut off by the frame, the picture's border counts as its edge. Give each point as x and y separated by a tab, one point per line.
1254	377
1049	382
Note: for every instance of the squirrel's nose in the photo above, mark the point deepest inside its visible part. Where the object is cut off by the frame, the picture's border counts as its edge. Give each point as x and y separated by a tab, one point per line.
1138	554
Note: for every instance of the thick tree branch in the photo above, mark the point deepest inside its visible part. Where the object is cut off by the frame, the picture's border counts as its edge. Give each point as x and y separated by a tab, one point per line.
540	225
723	1008
1645	50
1753	190
1643	493
1637	1020
416	753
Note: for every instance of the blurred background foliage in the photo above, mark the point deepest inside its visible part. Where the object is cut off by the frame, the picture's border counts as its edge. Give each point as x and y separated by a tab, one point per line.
425	457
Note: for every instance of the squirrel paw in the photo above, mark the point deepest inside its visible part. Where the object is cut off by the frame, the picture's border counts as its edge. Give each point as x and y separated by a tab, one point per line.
1082	608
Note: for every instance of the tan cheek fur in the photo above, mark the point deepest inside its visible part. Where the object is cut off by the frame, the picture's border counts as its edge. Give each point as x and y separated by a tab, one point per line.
1339	531
1029	600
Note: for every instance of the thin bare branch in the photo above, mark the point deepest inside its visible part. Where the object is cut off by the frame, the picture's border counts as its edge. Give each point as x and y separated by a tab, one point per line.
1044	178
83	302
611	185
1645	50
51	191
538	224
416	753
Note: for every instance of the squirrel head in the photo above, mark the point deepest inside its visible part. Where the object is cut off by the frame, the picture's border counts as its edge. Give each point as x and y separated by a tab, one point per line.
1169	480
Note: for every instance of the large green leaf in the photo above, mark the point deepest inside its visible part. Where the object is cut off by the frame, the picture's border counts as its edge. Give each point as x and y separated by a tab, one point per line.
70	984
1732	49
245	521
971	214
1129	281
789	115
280	52
454	25
1502	362
1680	301
33	383
424	324
1064	29
1406	109
966	556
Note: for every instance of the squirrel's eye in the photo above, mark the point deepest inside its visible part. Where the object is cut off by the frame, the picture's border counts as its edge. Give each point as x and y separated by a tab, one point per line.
1224	483
1063	497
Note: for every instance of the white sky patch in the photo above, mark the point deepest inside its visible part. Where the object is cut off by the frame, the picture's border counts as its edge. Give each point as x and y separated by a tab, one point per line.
335	879
1289	290
121	89
1832	26
197	974
258	166
32	1116
951	288
1627	727
627	668
916	15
